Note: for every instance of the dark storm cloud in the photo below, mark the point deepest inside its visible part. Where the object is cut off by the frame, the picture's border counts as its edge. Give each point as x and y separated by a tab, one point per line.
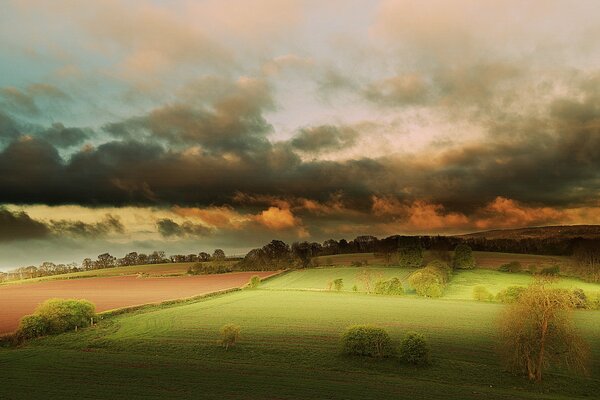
63	137
19	226
324	138
108	225
550	158
167	228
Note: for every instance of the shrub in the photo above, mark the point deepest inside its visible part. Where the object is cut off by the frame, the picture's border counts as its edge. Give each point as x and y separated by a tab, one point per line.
414	349
410	256
480	293
594	301
254	282
513	266
511	294
57	316
391	287
355	288
579	298
207	268
366	340
441	268
550	271
463	257
431	280
230	334
32	326
338	284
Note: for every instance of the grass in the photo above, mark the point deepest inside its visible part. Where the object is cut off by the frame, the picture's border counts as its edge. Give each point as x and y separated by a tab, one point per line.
289	349
460	287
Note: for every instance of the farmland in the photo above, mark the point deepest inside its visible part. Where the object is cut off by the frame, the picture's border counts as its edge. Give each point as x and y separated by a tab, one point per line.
111	292
289	347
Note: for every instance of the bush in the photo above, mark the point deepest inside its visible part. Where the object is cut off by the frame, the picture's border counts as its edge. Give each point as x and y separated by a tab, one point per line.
410	256
431	280
366	340
338	284
207	268
513	266
511	294
594	301
463	257
414	349
480	293
579	298
230	334
550	271
391	287
355	288
57	316
441	268
254	282
32	326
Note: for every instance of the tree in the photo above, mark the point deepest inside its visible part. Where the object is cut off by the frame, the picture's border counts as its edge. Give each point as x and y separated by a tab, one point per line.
87	264
105	261
218	255
463	257
410	253
230	334
203	256
537	331
130	259
338	284
427	282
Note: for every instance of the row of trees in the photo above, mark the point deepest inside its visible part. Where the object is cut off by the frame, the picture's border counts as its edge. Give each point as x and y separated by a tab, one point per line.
106	260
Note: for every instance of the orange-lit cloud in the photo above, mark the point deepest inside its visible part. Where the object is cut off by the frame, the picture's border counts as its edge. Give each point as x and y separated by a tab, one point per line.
277	218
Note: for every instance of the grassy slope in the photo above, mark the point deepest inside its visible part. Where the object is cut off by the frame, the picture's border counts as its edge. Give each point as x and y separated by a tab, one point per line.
289	350
460	288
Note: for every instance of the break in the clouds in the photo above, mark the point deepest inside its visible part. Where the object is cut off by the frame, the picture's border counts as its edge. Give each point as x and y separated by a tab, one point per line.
192	125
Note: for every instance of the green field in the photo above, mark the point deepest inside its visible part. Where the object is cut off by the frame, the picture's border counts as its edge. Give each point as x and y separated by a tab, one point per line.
460	287
289	348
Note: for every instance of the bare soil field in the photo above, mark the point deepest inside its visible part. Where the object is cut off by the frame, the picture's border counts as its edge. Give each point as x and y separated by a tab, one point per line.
112	292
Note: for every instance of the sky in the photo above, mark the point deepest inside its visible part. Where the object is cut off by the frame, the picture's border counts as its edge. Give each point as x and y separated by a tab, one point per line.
185	126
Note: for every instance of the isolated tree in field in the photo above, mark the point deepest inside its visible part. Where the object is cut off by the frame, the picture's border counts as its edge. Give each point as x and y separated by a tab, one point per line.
463	257
230	334
338	284
537	331
366	340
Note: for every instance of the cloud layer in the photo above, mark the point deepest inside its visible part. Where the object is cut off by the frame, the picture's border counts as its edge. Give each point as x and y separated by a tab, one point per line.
137	124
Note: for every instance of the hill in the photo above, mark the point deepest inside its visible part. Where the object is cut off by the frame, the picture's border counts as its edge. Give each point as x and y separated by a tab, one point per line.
541	232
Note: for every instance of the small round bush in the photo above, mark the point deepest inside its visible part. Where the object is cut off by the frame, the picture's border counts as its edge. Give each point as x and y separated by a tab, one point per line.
480	293
367	341
390	287
579	298
414	349
254	282
338	284
32	326
230	334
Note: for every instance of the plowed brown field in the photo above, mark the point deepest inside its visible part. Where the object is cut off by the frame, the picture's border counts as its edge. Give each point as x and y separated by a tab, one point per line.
111	292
